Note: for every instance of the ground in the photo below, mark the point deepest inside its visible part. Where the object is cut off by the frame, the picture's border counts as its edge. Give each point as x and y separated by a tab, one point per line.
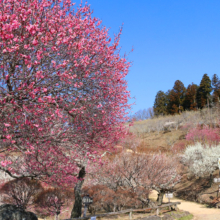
199	211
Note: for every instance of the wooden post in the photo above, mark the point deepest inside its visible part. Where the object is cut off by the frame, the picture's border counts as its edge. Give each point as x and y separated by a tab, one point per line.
158	211
130	215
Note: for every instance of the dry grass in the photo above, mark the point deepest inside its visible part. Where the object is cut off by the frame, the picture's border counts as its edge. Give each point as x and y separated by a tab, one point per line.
166	134
174	122
197	189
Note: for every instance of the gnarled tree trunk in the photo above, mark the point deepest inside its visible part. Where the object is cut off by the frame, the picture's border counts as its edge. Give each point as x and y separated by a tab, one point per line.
77	208
160	196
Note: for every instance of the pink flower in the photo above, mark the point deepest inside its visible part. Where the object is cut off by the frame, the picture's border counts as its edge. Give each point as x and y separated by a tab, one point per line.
5	163
40	100
28	152
38	74
35	42
8	137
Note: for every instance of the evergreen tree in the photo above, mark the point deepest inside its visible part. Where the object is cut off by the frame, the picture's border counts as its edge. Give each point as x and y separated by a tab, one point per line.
216	88
160	104
176	98
203	92
169	104
190	97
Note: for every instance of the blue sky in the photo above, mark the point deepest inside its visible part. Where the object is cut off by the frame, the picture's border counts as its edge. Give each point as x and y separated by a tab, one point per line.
172	40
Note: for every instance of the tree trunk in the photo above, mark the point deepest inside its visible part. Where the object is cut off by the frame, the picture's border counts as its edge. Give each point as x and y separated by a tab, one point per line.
56	217
210	180
114	209
160	197
77	208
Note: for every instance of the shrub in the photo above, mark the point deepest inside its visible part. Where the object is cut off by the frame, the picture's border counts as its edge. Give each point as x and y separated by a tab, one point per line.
180	146
109	200
53	200
204	135
21	192
201	159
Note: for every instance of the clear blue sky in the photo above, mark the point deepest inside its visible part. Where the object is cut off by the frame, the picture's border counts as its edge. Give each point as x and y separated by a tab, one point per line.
172	40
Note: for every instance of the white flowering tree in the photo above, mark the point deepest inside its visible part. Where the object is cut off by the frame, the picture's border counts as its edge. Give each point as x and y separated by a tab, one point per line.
201	159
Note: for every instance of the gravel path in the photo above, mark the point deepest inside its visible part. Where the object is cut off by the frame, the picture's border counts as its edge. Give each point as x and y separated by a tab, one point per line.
200	212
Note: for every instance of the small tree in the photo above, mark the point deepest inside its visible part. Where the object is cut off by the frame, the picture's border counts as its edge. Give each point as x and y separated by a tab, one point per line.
201	160
53	200
162	174
143	114
111	200
21	192
130	171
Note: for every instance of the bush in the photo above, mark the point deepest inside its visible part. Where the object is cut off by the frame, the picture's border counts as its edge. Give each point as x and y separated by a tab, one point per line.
21	192
201	159
180	146
204	135
52	201
109	200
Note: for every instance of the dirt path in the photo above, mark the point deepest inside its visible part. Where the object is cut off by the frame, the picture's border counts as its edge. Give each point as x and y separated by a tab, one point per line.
199	211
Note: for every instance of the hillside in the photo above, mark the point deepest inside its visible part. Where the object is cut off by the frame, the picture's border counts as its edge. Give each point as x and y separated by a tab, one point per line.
167	131
168	135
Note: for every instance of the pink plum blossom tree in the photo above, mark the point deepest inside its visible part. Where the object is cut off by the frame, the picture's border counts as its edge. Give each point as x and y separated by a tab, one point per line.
131	171
63	95
205	135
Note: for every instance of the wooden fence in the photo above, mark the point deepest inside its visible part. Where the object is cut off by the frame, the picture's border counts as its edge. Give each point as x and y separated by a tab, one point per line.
130	211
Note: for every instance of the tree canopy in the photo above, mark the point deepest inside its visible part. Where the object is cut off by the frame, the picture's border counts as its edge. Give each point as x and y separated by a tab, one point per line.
160	104
203	92
191	98
63	96
176	97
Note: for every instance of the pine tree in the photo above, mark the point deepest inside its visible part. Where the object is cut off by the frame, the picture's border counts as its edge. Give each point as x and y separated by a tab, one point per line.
216	88
176	98
190	97
203	92
160	104
169	104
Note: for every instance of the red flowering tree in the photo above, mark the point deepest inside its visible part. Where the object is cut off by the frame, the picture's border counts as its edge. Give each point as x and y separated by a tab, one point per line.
63	96
204	135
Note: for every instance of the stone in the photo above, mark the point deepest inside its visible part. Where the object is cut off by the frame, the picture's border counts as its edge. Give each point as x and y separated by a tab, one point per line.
167	217
9	212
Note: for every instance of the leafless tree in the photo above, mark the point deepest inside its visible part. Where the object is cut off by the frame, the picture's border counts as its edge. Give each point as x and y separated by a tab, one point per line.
21	192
